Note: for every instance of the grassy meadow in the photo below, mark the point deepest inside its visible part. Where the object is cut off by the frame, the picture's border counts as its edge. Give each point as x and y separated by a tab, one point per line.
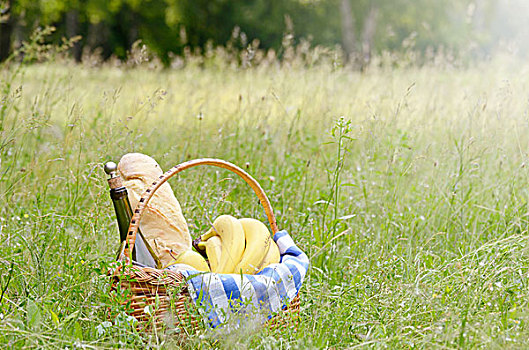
407	188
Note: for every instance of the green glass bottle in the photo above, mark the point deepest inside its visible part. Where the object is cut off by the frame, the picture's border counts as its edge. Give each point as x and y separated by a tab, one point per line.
142	252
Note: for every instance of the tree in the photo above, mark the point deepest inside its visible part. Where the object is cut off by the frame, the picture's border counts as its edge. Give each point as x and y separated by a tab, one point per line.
6	30
348	31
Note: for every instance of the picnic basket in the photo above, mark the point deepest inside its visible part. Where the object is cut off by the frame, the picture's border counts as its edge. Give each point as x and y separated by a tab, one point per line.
160	298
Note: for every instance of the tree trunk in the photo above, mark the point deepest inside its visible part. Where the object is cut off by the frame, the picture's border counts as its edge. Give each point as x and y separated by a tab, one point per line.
133	32
72	30
368	34
348	32
6	29
97	39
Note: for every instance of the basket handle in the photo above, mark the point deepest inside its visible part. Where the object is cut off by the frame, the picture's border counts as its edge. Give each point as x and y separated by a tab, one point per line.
147	195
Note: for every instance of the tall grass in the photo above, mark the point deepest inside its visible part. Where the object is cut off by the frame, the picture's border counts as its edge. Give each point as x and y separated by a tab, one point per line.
407	187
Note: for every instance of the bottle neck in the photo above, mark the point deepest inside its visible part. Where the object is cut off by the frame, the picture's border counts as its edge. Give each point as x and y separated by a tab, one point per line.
123	211
119	193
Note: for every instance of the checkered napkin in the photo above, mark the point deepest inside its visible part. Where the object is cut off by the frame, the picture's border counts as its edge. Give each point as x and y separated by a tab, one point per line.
258	296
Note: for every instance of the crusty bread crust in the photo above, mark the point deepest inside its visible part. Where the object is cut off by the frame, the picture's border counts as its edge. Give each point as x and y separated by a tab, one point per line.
162	223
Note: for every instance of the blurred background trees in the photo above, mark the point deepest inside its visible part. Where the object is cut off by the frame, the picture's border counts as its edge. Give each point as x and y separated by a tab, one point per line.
360	27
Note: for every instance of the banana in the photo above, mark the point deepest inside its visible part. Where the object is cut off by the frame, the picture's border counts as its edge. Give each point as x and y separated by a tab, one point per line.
230	231
213	247
257	244
272	256
193	259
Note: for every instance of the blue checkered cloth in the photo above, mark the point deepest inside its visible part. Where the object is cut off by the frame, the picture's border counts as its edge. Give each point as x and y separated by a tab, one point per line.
257	296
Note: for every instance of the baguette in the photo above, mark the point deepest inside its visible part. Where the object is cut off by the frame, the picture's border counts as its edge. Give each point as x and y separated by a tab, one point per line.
162	223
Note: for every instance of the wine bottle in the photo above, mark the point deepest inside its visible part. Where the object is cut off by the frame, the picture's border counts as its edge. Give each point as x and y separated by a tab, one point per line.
142	252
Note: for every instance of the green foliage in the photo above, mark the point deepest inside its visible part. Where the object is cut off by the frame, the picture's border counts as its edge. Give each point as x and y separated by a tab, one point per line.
171	27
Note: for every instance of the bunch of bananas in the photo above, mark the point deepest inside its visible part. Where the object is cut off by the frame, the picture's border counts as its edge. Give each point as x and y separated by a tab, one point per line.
233	246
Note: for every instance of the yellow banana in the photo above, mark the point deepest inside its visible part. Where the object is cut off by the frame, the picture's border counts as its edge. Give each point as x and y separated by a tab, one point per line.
272	256
257	243
193	259
213	248
230	231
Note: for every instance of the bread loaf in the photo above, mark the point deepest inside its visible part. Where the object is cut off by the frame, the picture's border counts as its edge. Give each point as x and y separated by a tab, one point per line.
162	223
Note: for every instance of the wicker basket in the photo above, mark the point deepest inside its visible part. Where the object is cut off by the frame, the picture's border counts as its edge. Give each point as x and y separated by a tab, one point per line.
159	298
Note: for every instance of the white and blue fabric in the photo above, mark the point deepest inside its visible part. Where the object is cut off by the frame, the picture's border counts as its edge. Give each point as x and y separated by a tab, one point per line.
260	295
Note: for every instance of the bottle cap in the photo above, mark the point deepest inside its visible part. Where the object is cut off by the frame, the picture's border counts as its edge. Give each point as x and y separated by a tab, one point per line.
110	168
114	181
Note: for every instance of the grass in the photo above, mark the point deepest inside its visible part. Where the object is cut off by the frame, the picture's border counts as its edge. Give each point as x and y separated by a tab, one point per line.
407	188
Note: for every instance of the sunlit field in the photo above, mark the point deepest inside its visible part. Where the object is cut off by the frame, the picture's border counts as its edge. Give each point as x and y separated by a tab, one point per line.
407	188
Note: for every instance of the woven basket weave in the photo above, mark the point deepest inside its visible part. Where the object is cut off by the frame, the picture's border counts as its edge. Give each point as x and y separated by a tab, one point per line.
159	298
